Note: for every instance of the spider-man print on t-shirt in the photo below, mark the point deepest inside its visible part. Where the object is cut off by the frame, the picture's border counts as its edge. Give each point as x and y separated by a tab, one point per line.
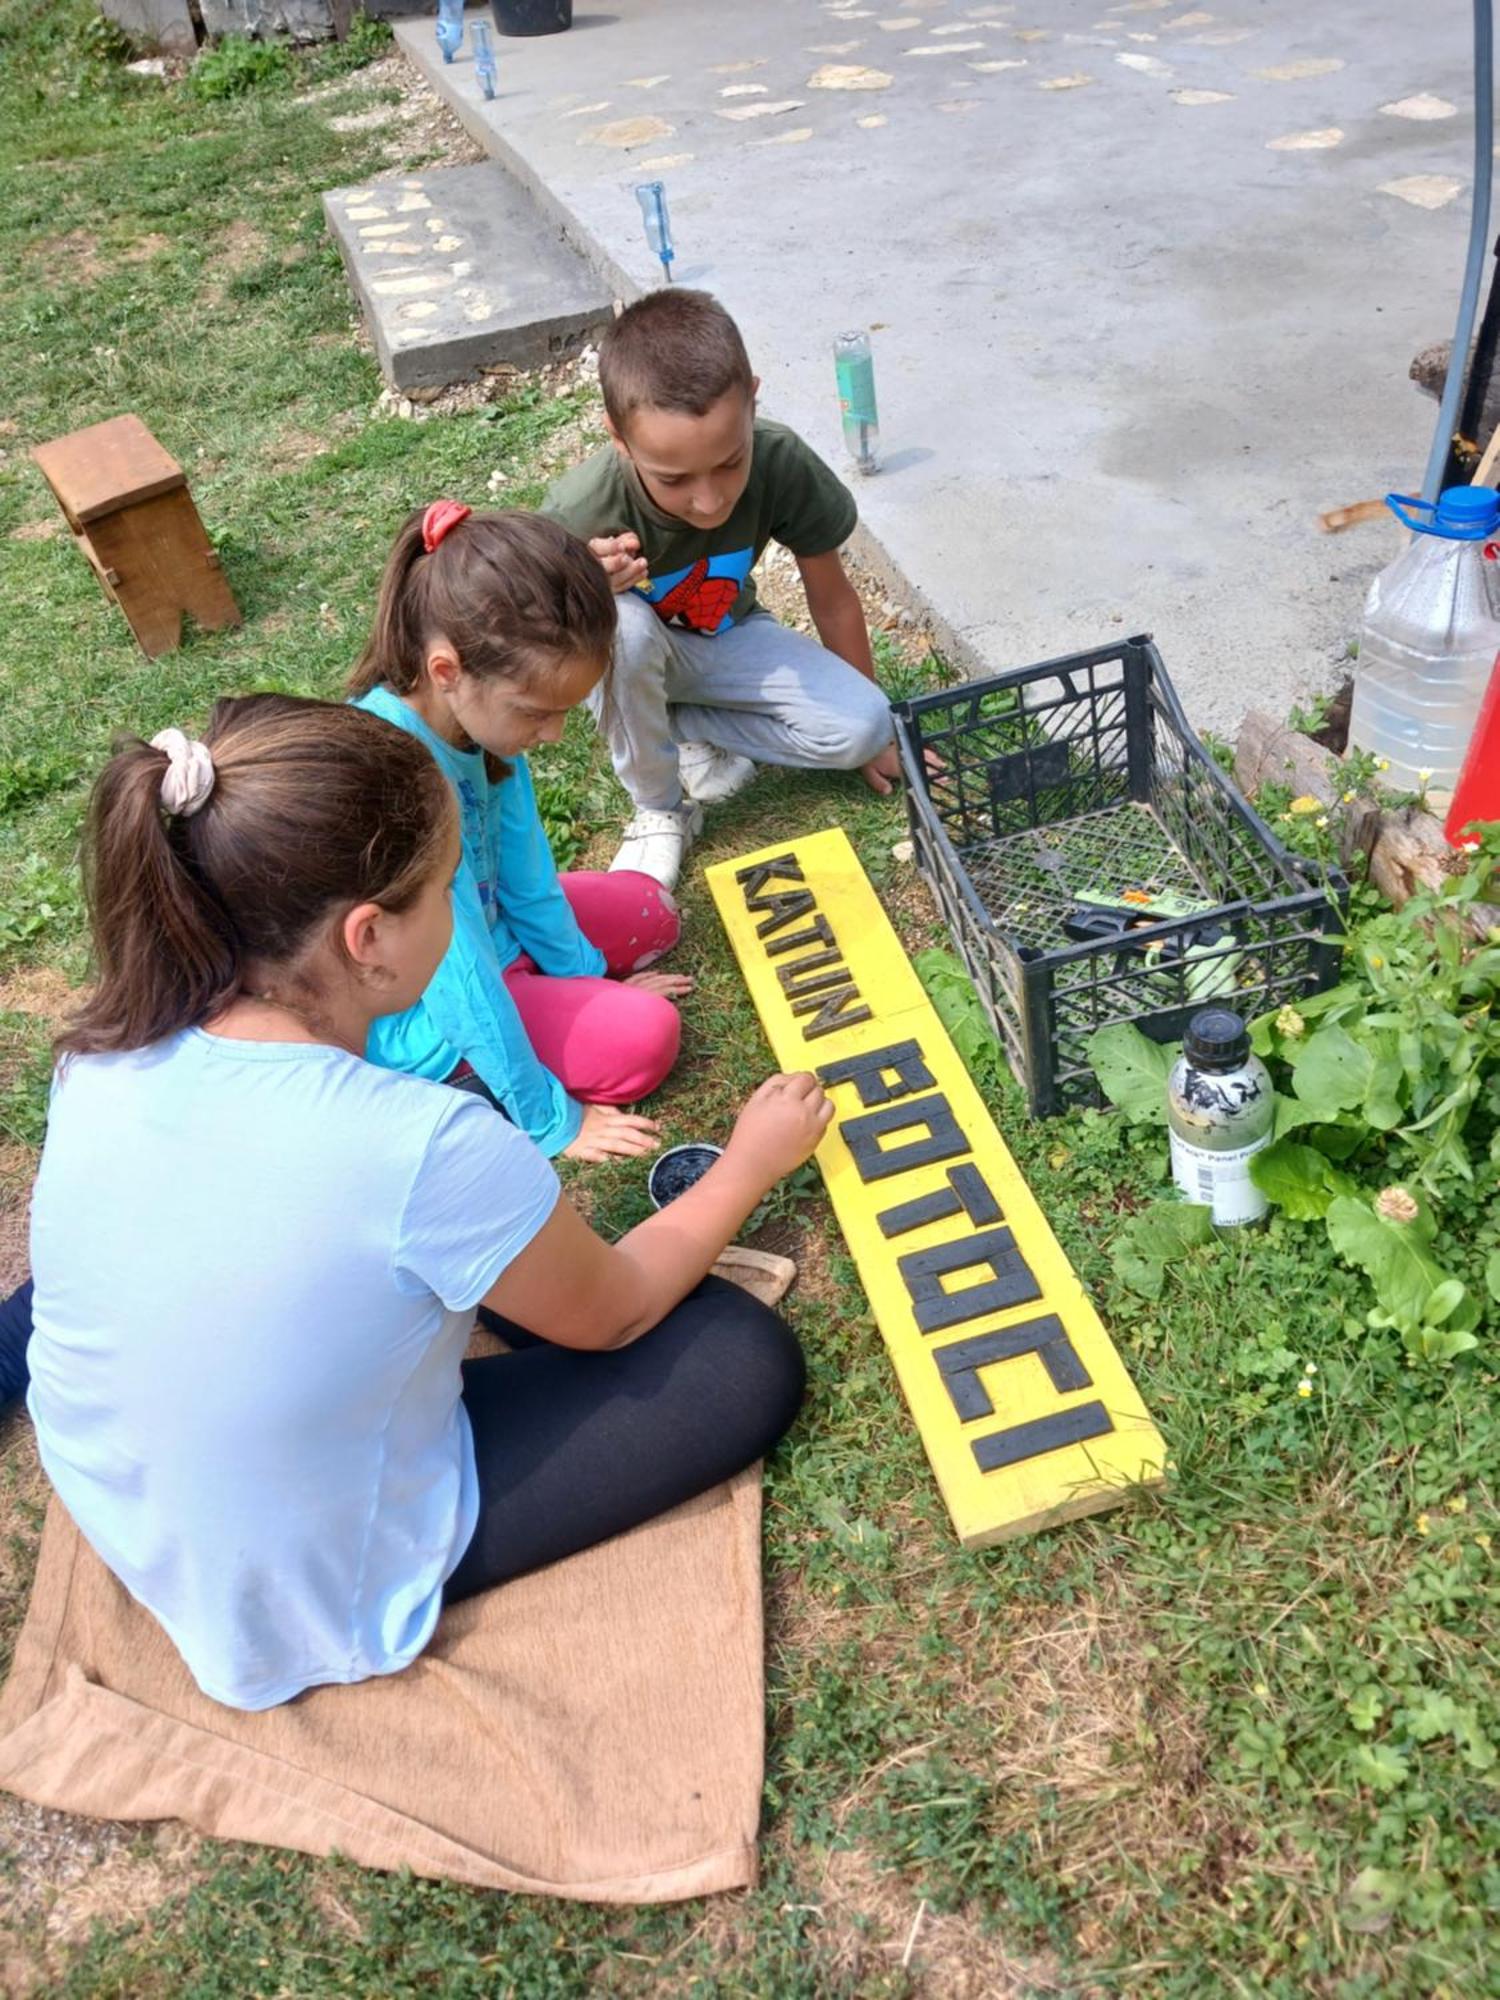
703	595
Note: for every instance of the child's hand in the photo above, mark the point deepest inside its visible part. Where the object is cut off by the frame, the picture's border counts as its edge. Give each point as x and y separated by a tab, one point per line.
621	560
780	1126
671	985
608	1133
881	773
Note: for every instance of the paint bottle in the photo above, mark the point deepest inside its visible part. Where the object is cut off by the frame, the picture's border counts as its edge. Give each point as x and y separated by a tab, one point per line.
1220	1113
854	368
484	59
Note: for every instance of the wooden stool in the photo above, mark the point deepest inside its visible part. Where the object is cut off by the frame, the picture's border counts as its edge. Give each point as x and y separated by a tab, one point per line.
127	503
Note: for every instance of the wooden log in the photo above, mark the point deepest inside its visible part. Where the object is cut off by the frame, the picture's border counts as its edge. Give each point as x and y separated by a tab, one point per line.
1403	848
1269	753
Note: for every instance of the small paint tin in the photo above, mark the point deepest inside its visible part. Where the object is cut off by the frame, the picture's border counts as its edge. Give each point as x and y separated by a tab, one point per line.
678	1169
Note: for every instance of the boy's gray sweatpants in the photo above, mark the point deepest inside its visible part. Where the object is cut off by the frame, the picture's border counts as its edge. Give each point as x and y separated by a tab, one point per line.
757	689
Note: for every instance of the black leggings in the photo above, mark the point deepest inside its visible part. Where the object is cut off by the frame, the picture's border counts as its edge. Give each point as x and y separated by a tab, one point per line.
575	1447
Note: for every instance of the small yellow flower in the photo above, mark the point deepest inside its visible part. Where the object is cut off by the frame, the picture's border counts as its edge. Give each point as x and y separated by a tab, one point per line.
1304	1389
1382	763
1307	804
1375	961
1458	1504
1348	798
1261	1690
1309	1367
1290	1023
1424	1525
1484	1539
1424	777
1396	1205
1321	820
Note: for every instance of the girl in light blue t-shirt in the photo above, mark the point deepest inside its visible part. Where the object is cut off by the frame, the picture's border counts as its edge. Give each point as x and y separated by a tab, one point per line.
489	628
257	1256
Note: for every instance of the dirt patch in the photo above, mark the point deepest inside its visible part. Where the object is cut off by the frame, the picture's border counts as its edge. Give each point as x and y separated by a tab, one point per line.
881	1925
144	249
43	993
45	530
293	448
76	256
71	1873
83	259
240	247
429	134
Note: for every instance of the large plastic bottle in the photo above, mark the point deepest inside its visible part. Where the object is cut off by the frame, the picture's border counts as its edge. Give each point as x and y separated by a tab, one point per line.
1431	632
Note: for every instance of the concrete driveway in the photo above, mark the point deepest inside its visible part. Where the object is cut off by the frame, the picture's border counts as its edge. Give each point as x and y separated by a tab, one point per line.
1145	282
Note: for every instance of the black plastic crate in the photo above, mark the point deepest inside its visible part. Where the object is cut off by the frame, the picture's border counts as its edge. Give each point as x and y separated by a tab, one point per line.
1058	787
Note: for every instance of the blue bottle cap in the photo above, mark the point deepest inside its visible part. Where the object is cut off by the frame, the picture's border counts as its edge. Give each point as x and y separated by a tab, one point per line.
1462	514
1468	512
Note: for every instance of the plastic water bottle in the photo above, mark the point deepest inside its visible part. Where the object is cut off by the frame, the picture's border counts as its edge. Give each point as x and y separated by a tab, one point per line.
1431	631
450	27
484	59
652	197
854	367
1220	1112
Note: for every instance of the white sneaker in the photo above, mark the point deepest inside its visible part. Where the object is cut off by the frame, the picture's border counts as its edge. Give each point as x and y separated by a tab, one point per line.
711	775
655	842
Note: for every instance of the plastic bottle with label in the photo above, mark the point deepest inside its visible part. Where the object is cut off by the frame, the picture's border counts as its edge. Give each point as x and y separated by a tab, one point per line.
1431	631
1220	1112
854	369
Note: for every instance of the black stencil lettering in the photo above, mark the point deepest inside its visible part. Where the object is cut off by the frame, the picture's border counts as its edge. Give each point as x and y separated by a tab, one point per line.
784	868
909	1215
959	1362
973	1190
1011	1282
817	932
967	1190
833	1013
797	978
785	908
1041	1435
933	1116
867	1073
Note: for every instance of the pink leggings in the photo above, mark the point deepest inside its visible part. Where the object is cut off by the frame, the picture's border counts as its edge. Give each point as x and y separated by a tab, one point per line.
607	1042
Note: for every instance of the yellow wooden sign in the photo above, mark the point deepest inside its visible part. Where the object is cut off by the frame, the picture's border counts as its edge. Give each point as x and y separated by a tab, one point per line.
1025	1409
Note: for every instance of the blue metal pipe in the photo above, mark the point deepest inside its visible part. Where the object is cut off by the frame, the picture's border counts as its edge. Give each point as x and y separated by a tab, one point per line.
1479	232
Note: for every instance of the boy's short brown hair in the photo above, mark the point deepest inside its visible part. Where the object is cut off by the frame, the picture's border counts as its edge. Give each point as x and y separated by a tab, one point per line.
672	350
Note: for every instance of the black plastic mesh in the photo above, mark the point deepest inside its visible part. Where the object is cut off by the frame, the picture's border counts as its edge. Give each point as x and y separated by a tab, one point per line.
1079	781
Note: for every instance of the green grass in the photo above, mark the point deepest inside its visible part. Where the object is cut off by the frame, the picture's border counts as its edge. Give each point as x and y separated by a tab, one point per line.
1150	1754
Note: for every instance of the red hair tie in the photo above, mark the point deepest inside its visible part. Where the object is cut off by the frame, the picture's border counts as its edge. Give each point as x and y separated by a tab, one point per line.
439	518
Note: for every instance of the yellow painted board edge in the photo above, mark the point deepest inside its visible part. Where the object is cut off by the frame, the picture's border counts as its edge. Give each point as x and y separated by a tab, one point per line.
820	912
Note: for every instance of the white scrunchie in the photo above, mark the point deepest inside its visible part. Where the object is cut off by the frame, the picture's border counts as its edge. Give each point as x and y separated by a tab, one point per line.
189	776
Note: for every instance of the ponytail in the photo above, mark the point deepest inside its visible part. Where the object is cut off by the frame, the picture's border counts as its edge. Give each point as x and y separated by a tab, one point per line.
307	809
513	594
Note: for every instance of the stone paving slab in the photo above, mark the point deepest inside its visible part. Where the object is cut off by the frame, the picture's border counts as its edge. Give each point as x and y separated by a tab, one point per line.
455	270
1146	280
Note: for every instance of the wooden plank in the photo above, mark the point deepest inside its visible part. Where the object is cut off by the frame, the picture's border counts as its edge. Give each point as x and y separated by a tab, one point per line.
1027	1414
97	471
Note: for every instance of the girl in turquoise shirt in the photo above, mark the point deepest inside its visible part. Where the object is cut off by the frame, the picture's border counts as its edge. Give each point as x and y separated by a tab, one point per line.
490	627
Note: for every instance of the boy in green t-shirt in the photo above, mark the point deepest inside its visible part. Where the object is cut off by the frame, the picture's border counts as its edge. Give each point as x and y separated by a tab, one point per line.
678	507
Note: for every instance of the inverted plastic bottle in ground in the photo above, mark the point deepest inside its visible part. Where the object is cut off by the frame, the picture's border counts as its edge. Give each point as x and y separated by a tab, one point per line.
1220	1112
854	366
484	59
1431	631
449	27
